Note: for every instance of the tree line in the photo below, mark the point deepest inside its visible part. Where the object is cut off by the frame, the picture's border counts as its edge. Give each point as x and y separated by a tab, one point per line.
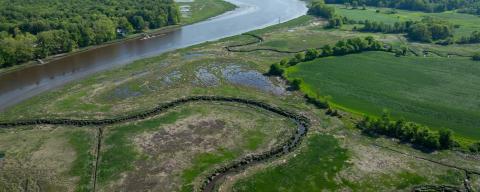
37	29
473	8
429	29
342	47
467	6
408	132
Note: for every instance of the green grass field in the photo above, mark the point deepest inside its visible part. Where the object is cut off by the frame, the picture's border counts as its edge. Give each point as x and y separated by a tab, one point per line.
438	92
312	170
468	23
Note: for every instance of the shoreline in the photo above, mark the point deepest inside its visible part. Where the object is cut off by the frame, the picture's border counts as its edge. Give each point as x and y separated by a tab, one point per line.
135	36
56	57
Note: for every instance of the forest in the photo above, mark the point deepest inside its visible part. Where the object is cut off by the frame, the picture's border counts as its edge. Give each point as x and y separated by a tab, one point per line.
37	29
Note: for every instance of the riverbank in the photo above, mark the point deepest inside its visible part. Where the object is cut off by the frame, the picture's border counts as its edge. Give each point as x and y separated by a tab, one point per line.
199	11
153	32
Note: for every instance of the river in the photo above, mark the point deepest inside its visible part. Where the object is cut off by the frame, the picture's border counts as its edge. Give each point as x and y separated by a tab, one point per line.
25	83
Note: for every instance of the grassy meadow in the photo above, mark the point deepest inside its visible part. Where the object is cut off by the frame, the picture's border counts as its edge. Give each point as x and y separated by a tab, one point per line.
312	170
46	158
172	152
438	92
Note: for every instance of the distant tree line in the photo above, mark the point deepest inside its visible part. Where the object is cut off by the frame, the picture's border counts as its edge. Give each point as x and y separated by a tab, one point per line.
473	38
467	6
36	29
473	8
429	29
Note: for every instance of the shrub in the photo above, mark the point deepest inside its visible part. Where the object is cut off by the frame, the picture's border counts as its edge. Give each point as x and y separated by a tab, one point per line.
276	70
296	84
446	138
475	148
311	54
476	57
318	8
407	132
318	102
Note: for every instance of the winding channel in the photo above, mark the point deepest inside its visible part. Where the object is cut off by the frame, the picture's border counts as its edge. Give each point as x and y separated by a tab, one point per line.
209	183
22	84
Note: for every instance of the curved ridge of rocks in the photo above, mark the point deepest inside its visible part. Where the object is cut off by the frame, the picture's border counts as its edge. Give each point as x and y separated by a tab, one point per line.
152	112
208	184
258	39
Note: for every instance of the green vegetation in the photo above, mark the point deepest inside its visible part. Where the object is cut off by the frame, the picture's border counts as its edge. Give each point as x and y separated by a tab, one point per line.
415	5
254	139
82	167
318	8
476	57
203	162
399	181
463	24
120	154
431	91
313	169
32	30
427	30
408	132
204	9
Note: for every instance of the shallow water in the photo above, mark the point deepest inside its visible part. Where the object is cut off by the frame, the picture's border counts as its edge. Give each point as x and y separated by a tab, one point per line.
236	75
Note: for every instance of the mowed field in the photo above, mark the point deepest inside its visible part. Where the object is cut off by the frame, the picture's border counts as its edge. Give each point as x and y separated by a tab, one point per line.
438	92
467	23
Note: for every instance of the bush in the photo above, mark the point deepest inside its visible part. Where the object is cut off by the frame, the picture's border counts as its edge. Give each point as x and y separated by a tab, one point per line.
475	148
446	138
276	70
318	8
311	54
407	132
296	84
476	57
318	102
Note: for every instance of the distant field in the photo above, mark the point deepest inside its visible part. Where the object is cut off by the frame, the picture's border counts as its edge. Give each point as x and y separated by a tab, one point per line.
468	23
438	92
